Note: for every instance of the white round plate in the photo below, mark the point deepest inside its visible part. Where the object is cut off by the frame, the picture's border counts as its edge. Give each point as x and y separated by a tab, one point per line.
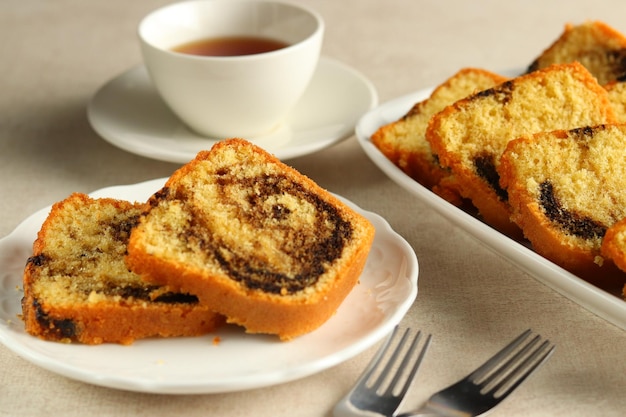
239	361
608	305
128	112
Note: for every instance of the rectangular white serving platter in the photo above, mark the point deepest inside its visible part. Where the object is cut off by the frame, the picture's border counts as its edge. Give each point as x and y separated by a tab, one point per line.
602	303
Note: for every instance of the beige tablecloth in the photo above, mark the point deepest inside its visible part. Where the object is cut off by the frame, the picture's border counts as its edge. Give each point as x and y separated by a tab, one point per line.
56	54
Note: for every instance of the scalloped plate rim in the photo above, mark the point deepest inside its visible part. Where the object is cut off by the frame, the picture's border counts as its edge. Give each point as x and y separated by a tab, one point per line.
159	374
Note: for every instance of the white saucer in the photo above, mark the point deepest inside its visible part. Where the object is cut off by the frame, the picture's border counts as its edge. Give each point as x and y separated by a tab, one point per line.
128	113
386	290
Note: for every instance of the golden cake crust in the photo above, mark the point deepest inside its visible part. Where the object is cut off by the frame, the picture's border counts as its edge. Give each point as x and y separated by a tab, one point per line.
404	142
566	191
258	241
614	247
77	287
597	46
470	135
614	244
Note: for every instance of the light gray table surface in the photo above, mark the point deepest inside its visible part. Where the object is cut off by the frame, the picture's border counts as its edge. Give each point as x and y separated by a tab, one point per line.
56	54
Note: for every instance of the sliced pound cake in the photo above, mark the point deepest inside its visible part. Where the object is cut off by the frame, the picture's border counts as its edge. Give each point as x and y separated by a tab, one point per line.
258	241
404	142
470	135
597	46
566	189
77	286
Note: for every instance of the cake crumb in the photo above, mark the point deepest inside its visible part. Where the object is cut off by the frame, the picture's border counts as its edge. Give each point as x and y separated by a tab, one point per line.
216	340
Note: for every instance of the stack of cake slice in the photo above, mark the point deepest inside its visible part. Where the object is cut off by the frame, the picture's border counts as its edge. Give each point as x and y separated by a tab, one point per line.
233	235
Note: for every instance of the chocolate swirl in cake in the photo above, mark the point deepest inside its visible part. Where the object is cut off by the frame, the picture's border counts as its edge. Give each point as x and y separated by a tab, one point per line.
570	221
276	257
485	166
502	93
78	287
51	328
254	239
76	272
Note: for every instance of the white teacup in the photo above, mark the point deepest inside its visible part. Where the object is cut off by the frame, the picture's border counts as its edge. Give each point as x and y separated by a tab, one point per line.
225	96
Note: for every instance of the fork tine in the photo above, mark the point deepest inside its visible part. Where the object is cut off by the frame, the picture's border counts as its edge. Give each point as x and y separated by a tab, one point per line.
391	363
395	363
406	361
523	370
488	366
376	361
492	382
517	368
503	366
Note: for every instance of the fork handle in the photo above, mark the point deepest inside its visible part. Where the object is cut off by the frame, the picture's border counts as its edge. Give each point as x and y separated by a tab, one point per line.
423	411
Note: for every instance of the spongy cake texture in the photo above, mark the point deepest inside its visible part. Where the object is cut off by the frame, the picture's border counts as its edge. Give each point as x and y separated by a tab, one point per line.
600	49
77	286
470	135
617	97
566	189
250	236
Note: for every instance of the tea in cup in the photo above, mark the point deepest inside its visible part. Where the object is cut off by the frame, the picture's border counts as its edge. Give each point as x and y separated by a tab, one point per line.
231	67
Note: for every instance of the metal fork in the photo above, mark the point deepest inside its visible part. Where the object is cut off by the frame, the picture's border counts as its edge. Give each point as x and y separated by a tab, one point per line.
384	383
492	382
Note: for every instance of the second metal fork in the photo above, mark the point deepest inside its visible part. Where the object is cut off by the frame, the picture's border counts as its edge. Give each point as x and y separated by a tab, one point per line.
383	385
492	382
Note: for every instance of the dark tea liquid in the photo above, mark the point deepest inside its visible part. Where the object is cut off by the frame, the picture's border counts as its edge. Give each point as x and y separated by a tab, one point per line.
230	46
